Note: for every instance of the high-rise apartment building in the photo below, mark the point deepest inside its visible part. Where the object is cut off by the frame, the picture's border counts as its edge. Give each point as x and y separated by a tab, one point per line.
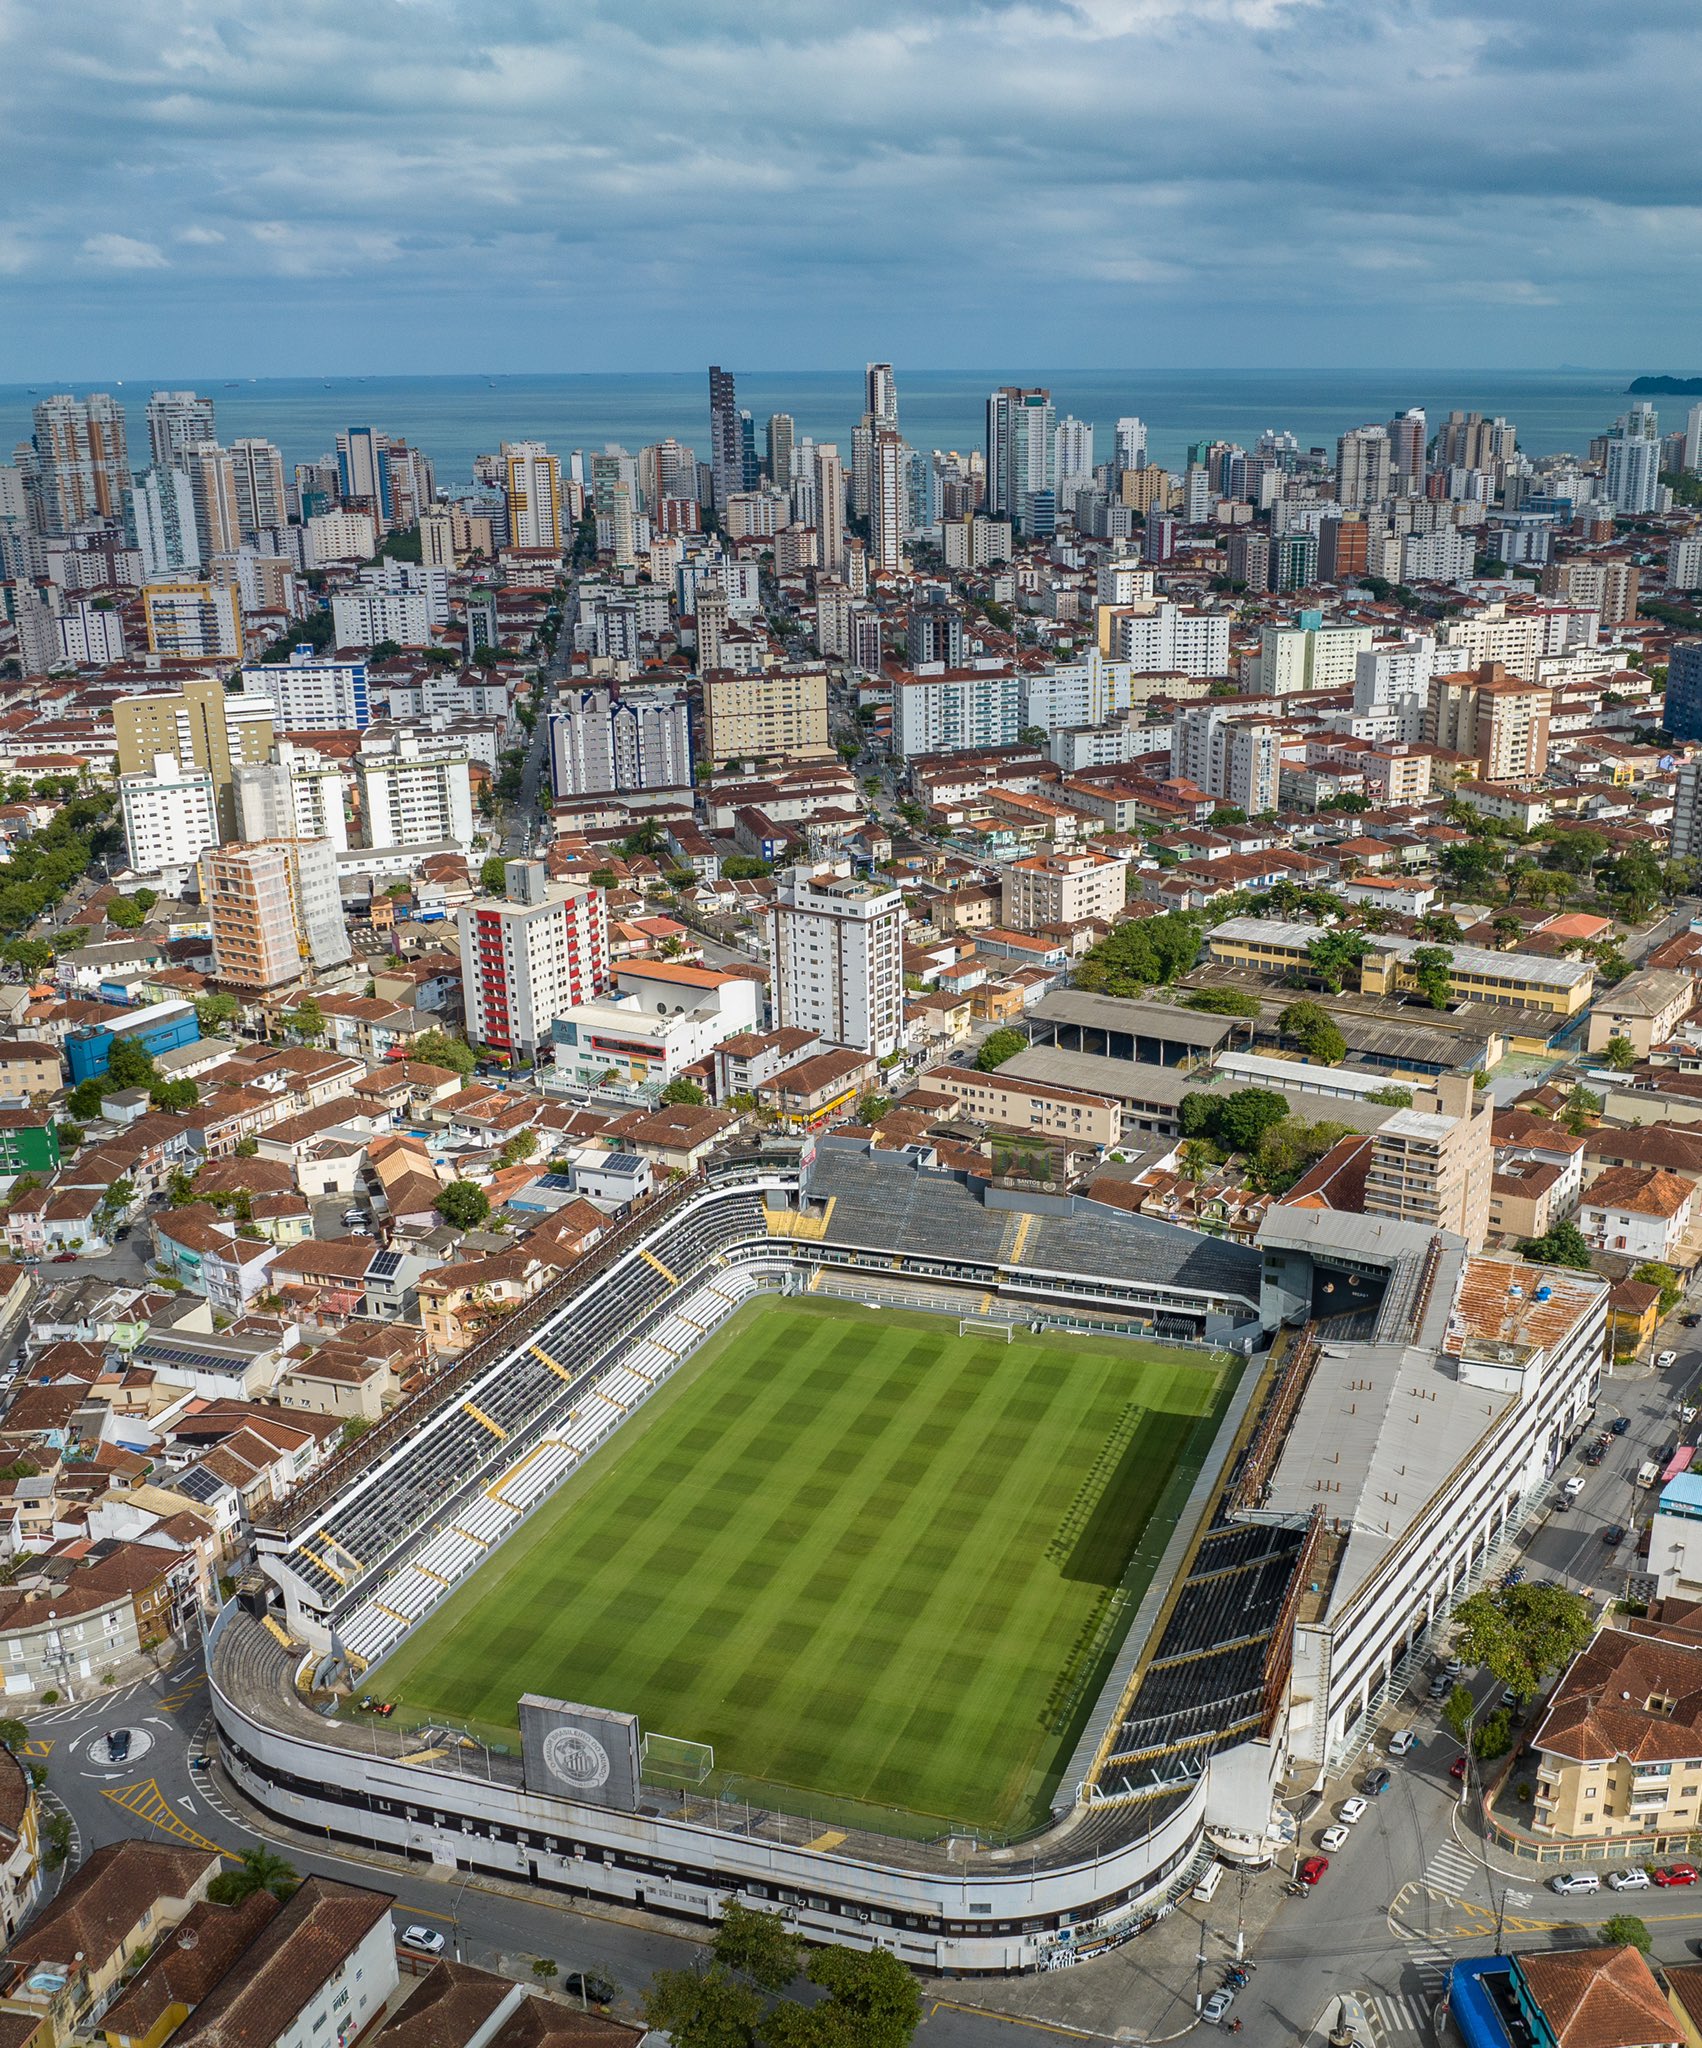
81	464
772	715
413	796
1061	888
830	507
1229	753
1022	457
177	420
37	621
835	957
1499	720
193	621
726	438
1364	470
170	815
528	957
298	794
159	523
262	502
309	693
533	490
1633	478
1409	436
1432	1163
888	470
276	912
363	472
934	636
1683	715
640	739
1131	443
212	491
199	725
1687	809
1466	440
880	395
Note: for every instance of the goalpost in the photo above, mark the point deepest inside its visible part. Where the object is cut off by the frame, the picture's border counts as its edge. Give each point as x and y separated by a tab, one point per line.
676	1759
986	1326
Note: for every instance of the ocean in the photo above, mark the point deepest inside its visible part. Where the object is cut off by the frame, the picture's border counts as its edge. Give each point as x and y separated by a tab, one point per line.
455	418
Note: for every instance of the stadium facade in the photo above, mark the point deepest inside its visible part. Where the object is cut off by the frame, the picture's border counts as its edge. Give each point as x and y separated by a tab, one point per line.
1189	1738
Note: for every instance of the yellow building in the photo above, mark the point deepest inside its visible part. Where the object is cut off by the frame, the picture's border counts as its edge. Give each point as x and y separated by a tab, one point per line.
193	621
202	725
772	715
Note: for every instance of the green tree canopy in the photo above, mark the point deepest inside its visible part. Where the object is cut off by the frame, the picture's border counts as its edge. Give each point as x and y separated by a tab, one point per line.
1392	1097
306	1020
128	1066
1144	953
493	875
259	1871
999	1046
438	1049
1432	972
126	913
1290	1149
1655	1273
85	1099
1335	957
702	2008
682	1090
174	1095
463	1204
756	1945
1625	1930
1311	1028
1562	1244
1522	1633
745	867
875	2000
214	1012
1619	1054
1236	1121
1222	1002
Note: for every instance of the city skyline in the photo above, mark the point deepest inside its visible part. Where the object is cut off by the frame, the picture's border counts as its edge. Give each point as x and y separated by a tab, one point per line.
1253	181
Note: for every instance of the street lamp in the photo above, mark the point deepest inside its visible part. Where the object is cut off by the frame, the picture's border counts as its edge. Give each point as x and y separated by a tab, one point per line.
1200	1962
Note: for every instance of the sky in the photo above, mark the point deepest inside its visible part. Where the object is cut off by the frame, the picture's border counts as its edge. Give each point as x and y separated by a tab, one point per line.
335	187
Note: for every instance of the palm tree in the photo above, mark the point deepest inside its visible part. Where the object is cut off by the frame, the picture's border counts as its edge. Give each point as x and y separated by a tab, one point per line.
259	1871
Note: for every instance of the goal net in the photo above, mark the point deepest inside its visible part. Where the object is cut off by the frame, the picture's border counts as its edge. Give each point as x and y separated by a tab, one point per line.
985	1326
676	1760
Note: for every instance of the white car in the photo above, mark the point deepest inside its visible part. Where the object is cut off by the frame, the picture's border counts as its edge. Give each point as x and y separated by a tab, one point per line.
1402	1740
1217	2006
425	1941
1629	1880
1575	1486
1333	1839
1664	1359
1354	1809
1570	1881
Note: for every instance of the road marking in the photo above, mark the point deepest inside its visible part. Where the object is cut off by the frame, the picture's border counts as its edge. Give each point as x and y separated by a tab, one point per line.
1450	1868
1398	2012
148	1804
182	1695
39	1746
1016	2019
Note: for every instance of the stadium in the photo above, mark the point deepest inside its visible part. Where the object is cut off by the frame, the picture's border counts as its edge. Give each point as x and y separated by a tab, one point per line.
845	1534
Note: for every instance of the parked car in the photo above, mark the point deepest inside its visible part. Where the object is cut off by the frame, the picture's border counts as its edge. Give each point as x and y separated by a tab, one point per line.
1562	1503
1458	1768
1440	1686
1570	1881
601	1990
1629	1880
1621	1423
1312	1870
1664	1359
425	1941
1615	1536
1574	1486
1352	1810
1690	1321
1676	1873
1453	1668
1375	1783
1334	1838
1402	1740
1216	2008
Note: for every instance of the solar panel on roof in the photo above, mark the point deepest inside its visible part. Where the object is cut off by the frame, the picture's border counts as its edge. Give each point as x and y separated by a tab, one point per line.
561	1181
385	1265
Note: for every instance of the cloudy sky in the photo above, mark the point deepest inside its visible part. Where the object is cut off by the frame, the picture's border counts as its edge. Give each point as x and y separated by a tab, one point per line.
342	186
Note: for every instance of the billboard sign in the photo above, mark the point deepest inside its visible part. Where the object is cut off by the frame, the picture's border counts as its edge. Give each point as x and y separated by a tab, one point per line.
574	1752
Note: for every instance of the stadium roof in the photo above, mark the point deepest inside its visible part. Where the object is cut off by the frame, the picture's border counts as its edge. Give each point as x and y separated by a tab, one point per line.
1123	1013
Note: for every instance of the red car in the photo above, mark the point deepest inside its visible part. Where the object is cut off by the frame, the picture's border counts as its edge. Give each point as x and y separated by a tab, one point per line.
1677	1873
1315	1866
1457	1769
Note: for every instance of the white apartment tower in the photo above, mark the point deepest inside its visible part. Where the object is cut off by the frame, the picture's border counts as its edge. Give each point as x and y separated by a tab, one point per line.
177	420
533	486
410	798
170	815
261	500
835	957
529	957
1634	462
307	692
887	466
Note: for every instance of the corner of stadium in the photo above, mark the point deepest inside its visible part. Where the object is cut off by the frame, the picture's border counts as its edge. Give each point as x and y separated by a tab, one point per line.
1192	1670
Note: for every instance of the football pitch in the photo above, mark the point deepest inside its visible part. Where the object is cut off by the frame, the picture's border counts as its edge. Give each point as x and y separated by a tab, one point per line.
864	1557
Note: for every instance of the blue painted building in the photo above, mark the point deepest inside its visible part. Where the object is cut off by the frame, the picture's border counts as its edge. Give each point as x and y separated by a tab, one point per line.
1557	1997
160	1027
1683	718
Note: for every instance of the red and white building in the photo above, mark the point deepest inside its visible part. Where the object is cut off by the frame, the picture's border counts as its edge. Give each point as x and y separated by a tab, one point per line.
529	957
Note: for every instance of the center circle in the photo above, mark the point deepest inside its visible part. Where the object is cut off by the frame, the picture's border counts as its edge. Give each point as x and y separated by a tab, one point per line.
576	1758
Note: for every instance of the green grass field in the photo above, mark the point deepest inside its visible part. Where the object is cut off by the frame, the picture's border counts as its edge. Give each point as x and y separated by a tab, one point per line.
866	1558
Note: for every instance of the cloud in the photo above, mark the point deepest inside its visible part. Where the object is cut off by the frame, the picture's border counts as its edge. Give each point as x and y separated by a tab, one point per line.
122	252
454	184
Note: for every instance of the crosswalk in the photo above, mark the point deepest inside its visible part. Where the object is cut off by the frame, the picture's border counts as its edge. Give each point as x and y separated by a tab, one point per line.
1432	1962
1398	2012
1450	1869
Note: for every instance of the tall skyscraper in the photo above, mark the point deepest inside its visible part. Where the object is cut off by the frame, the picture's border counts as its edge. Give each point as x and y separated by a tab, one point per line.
199	725
1363	469
1021	457
159	522
82	468
1693	439
830	507
880	395
1634	461
275	910
726	438
782	432
176	421
1409	435
212	490
1073	454
261	501
1131	443
363	472
889	479
533	490
834	956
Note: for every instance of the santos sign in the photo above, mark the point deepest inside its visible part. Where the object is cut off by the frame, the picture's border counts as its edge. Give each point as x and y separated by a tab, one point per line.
575	1752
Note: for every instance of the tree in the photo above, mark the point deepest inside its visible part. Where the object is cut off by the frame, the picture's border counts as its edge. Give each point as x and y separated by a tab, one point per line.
85	1099
259	1871
354	1429
745	867
1432	973
145	899
463	1204
1655	1274
875	1999
1522	1633
1507	929
1290	1149
493	875
1459	1710
128	1066
1562	1244
438	1049
174	1095
1471	863
702	2008
126	913
179	1189
306	1020
1619	1053
684	1091
871	1107
1237	1121
70	1136
1222	1002
1141	954
546	1969
13	1734
29	956
1581	1106
1440	925
1311	1027
1625	1930
1335	957
246	1148
520	1147
212	1013
756	1945
1392	1097
999	1046
118	1198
